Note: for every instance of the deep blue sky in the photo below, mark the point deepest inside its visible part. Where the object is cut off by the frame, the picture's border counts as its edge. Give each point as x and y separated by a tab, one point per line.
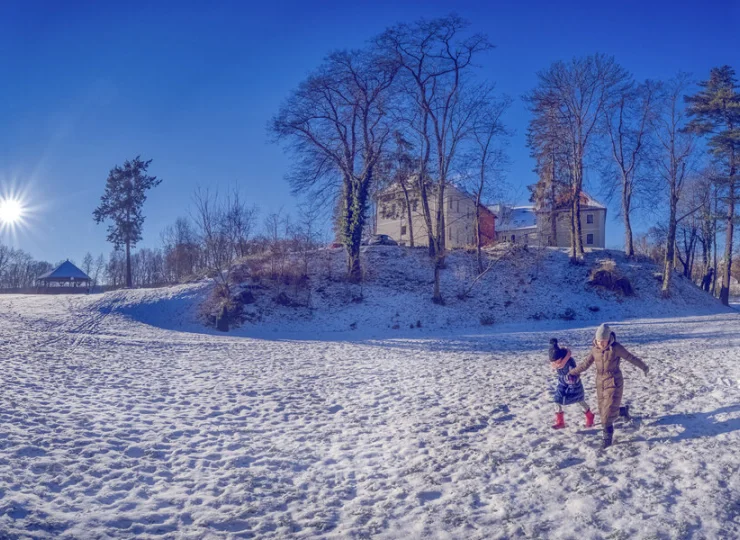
192	86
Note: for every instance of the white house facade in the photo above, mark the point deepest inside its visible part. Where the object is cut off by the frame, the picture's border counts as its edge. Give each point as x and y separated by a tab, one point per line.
459	213
526	225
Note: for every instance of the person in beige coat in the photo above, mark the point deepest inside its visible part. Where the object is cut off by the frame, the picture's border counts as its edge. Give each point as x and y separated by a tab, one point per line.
606	354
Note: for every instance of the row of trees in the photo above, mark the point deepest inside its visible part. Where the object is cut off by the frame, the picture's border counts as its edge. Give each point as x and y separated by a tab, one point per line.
648	136
411	109
411	106
18	270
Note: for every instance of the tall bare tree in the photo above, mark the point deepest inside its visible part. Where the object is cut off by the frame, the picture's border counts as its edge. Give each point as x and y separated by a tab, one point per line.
436	57
578	91
490	159
337	124
628	119
239	222
551	153
673	159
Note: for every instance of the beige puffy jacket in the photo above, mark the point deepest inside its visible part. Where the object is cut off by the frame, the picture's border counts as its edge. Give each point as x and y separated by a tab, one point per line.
609	380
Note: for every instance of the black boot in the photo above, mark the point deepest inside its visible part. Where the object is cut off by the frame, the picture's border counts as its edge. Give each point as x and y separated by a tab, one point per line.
608	435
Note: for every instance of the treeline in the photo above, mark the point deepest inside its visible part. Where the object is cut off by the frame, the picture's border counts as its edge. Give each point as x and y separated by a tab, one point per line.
18	269
663	147
412	107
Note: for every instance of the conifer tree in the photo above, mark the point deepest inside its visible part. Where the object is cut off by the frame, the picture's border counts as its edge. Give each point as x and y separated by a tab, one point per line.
716	115
122	204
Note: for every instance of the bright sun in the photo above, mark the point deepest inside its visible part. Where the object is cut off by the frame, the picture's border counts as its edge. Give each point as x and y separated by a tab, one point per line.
11	211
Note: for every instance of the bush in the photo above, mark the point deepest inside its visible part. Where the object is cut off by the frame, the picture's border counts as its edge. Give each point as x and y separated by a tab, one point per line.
568	315
487	320
220	310
283	299
605	275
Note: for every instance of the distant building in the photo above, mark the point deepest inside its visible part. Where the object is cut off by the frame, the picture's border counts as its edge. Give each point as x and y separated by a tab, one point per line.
529	226
65	275
459	213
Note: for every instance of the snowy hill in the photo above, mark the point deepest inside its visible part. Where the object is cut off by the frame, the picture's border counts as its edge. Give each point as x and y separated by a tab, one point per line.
521	286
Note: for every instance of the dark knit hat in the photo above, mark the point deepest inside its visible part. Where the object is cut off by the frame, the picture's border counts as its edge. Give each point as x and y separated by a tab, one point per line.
556	353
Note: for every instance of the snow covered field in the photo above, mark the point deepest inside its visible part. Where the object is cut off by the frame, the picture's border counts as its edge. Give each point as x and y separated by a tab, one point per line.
114	428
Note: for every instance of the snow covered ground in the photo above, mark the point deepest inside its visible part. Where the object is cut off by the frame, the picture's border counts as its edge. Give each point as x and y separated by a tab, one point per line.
121	417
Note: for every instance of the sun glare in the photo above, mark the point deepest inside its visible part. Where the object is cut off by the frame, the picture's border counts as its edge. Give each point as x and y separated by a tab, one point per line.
11	211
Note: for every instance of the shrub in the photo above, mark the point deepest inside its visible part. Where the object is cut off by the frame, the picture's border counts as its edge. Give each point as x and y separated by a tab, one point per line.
283	299
487	320
568	315
605	275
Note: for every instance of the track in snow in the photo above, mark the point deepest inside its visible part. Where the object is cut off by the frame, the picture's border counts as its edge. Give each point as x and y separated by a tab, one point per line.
112	428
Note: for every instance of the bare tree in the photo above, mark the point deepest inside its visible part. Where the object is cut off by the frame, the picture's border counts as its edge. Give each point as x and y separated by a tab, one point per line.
435	57
402	172
673	159
337	124
98	269
552	155
628	119
239	221
207	214
491	160
578	91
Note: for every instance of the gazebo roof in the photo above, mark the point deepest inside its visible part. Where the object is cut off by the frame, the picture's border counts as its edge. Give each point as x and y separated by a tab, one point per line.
65	272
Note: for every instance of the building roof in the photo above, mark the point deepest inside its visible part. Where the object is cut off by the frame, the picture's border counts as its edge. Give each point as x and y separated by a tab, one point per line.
517	217
65	271
588	200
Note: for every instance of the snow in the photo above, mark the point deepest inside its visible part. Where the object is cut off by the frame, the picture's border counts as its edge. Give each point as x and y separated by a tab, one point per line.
122	416
522	286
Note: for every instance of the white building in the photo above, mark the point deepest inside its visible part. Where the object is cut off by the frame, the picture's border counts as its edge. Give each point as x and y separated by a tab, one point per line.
526	225
459	213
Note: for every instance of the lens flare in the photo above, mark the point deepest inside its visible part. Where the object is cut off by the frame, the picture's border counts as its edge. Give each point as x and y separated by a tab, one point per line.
11	212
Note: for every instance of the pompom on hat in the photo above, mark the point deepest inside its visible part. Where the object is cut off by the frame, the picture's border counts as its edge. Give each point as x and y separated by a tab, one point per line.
556	352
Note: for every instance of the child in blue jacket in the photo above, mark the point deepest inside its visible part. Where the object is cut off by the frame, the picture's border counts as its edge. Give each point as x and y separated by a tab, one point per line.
570	388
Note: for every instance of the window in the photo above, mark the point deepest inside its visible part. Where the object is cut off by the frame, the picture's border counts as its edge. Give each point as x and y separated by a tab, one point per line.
450	203
589	239
589	218
450	234
458	205
393	211
416	204
403	230
513	239
383	211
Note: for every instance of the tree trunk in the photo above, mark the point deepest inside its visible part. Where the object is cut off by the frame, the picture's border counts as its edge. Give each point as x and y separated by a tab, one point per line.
579	230
670	253
629	247
439	248
409	217
129	281
714	246
553	211
479	256
724	293
354	222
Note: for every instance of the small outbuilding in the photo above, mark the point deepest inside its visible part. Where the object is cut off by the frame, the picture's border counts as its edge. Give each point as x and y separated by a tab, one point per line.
65	275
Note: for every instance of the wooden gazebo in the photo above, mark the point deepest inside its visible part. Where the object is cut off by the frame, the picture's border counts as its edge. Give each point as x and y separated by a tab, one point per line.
65	275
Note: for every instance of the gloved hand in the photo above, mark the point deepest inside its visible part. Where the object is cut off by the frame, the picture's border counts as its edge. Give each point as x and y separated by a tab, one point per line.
572	379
